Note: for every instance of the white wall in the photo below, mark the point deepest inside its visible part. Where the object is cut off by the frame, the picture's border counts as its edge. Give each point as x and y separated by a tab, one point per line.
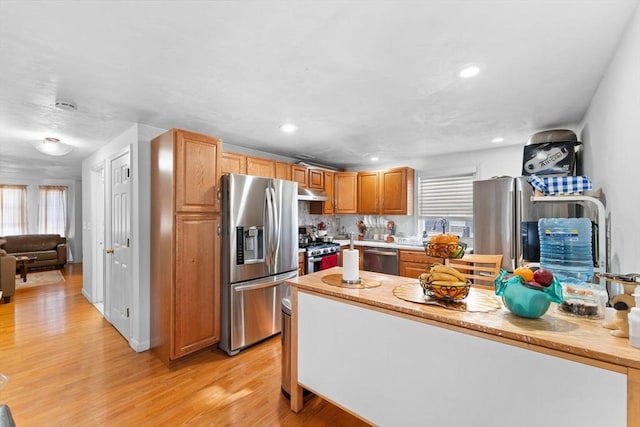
612	153
138	138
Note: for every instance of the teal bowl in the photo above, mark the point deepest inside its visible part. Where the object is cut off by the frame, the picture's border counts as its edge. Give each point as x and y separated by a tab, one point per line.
524	301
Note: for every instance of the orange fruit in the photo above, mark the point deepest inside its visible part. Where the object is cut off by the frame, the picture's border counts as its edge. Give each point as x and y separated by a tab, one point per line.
525	272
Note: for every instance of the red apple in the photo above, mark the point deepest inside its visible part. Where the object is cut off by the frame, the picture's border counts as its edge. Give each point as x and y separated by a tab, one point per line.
533	285
544	277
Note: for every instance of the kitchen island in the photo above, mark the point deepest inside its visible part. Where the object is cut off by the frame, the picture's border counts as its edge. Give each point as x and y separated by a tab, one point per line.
395	362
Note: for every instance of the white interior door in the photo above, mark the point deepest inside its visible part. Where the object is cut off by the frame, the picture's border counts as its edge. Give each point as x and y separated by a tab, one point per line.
119	274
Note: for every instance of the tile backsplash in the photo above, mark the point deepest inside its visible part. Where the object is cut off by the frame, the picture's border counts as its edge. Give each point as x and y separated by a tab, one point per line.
405	225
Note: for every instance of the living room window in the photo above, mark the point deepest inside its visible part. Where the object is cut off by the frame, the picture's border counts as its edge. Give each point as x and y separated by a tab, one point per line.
52	210
13	210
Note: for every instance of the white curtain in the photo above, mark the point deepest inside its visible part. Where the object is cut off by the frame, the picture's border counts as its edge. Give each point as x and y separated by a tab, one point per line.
52	210
13	210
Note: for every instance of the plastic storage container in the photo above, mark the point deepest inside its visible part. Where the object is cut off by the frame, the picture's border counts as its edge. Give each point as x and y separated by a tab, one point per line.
565	248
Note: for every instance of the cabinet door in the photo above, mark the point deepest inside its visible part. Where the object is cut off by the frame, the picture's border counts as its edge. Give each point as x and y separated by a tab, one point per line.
197	173
345	187
396	190
196	306
233	163
299	175
315	179
414	263
258	166
409	269
327	207
368	190
301	264
283	170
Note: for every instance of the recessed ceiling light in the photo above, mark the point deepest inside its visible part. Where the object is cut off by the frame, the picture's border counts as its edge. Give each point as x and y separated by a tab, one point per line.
288	128
374	159
497	140
469	71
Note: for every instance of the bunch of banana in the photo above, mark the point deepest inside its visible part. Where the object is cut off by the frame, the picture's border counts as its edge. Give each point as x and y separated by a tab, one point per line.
443	275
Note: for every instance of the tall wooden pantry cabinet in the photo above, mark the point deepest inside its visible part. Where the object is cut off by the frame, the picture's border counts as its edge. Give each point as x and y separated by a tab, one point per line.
185	243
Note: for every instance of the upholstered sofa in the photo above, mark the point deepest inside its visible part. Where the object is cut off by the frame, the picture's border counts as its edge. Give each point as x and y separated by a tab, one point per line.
7	275
50	250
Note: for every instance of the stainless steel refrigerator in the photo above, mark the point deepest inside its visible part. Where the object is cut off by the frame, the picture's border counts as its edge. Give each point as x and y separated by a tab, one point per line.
505	220
260	252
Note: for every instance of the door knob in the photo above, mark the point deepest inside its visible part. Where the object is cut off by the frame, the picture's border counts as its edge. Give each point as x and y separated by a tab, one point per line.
109	251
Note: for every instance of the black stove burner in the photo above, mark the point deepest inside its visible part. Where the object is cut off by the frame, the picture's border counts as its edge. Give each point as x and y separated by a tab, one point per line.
317	244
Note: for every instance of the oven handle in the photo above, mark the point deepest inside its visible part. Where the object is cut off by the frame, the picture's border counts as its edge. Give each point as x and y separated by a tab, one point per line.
314	259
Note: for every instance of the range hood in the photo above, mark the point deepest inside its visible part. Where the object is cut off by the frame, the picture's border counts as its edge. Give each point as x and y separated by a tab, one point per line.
311	194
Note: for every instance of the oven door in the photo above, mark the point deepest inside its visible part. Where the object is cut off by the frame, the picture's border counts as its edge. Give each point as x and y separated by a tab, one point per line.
322	262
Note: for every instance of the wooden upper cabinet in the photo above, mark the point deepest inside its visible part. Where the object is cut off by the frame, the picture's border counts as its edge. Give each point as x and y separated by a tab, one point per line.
283	170
197	172
396	191
315	179
327	207
299	175
346	192
233	163
368	192
258	166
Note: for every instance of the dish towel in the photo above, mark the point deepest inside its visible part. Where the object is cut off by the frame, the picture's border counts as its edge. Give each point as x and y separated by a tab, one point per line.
554	185
328	261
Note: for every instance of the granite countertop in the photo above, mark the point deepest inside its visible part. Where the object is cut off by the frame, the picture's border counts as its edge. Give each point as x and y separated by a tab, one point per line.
564	333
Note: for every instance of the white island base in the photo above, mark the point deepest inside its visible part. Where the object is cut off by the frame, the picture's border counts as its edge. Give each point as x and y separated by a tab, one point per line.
393	369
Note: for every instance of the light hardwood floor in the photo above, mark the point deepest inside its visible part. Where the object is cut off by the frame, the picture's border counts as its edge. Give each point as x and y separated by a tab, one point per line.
67	366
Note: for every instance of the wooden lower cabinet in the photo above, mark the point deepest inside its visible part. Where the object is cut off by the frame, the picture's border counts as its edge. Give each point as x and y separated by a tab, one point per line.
301	264
414	263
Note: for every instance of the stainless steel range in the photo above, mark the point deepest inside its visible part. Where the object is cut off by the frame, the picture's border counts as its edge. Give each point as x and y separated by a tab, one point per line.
321	256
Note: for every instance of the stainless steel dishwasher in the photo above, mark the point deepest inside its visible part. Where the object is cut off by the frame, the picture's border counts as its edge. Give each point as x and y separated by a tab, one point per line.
381	260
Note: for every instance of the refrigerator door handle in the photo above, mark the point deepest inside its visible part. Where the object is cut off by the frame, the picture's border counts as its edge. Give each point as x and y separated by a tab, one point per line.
517	257
269	227
276	223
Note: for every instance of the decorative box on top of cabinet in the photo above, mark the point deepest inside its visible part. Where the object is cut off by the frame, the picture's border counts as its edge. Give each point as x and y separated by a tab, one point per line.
185	243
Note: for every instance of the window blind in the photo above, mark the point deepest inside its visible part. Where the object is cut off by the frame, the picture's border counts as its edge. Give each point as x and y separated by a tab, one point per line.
446	196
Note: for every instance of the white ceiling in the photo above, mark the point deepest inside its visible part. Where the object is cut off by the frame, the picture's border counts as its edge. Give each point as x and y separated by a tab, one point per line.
358	78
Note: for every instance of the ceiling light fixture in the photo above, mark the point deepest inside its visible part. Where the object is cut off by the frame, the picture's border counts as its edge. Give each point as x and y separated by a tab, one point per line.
288	128
374	159
469	71
52	147
497	140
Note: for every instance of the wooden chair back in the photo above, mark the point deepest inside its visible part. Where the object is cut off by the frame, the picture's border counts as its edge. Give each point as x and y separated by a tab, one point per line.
479	269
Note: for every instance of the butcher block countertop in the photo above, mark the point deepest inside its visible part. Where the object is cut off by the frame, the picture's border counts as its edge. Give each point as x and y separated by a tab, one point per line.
566	336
